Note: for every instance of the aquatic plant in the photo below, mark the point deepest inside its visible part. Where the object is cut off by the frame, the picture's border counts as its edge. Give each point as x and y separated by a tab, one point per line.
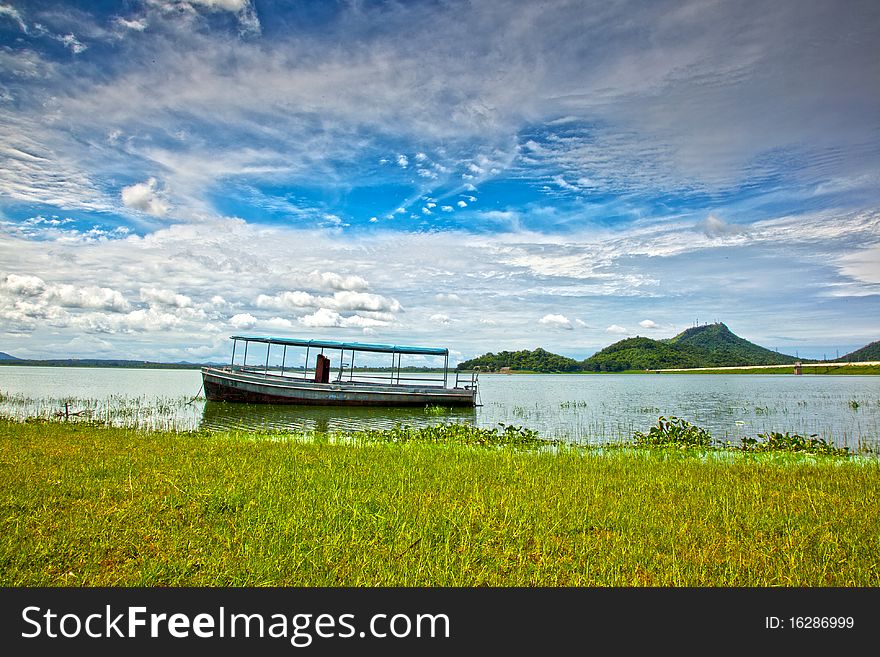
673	432
775	441
461	434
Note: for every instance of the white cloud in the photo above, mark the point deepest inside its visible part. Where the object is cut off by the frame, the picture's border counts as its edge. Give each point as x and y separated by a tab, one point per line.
278	323
440	318
346	300
25	285
13	14
135	24
92	296
75	45
289	300
149	320
614	328
145	197
341	300
243	321
461	204
402	161
862	265
555	321
714	227
326	318
447	208
165	297
448	297
648	324
336	281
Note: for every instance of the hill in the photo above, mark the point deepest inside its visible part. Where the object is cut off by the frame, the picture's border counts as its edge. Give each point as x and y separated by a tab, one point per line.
710	345
640	354
724	348
870	351
538	360
5	356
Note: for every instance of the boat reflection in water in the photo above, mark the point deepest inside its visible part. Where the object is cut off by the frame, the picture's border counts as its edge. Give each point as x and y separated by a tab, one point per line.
221	416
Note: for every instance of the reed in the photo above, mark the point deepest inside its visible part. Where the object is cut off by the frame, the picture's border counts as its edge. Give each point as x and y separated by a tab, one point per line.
87	505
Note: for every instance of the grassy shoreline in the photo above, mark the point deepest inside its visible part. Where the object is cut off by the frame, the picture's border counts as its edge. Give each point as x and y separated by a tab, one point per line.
84	505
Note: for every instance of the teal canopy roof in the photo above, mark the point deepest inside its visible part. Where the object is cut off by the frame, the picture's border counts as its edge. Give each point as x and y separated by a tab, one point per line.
353	346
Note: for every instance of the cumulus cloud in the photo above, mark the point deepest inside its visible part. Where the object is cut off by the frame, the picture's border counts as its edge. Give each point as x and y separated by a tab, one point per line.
326	318
346	300
341	300
440	318
148	319
24	284
145	197
614	328
336	281
278	323
289	299
243	321
87	297
447	297
648	324
556	321
41	295
165	297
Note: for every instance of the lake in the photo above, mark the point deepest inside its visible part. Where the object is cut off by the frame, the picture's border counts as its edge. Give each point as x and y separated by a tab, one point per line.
578	408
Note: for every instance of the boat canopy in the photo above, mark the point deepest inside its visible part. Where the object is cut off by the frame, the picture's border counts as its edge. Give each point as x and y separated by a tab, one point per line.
353	346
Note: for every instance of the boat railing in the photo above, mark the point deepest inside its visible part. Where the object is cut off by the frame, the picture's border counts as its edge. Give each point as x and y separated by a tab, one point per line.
467	378
463	379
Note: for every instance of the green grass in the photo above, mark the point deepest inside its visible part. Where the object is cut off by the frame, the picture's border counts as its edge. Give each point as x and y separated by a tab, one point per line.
84	505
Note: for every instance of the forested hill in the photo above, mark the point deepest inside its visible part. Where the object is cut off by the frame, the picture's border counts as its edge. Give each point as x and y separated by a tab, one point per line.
868	352
710	345
538	360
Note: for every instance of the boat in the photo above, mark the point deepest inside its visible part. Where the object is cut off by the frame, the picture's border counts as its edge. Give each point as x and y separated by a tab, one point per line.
268	382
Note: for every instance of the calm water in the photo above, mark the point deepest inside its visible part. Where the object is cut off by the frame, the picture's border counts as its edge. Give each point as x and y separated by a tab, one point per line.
580	408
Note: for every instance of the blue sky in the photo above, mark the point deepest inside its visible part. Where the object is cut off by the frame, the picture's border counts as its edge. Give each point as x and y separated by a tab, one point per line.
477	175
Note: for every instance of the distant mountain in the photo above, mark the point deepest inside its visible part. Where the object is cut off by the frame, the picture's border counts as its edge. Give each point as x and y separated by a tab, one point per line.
868	352
96	362
710	345
5	356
